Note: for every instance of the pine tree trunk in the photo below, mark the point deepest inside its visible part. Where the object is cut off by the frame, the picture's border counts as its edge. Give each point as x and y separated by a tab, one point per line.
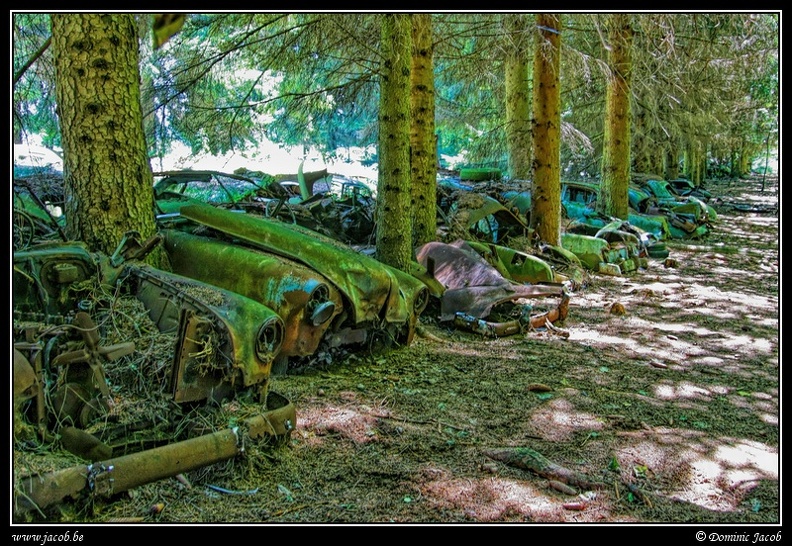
518	106
423	147
694	162
616	149
672	161
107	177
394	230
639	142
546	190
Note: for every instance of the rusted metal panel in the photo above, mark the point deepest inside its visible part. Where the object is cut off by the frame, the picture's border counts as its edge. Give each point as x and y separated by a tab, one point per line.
473	288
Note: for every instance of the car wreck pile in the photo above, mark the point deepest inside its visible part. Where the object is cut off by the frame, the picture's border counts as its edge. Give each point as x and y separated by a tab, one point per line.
124	366
68	378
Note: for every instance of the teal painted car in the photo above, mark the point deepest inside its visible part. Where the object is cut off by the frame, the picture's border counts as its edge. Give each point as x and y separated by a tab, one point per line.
685	220
618	253
685	187
579	202
665	194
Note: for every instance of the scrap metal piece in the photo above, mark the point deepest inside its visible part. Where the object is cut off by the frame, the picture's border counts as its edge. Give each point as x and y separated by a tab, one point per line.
109	477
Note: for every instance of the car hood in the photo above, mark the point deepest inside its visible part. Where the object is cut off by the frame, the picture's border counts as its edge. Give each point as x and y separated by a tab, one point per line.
376	291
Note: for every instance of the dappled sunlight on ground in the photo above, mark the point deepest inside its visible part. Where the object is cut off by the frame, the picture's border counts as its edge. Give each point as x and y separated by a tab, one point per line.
355	423
498	499
681	391
716	474
764	405
559	420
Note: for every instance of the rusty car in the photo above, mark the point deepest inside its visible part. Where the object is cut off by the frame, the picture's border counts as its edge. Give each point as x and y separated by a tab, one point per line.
345	213
328	295
667	195
100	391
499	220
685	187
478	297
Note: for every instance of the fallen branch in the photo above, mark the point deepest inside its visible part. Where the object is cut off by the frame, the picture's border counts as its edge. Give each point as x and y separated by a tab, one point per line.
528	459
421	330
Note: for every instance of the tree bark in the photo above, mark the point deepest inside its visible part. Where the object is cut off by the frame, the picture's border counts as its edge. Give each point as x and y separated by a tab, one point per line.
107	177
423	147
546	192
672	160
518	106
618	115
394	233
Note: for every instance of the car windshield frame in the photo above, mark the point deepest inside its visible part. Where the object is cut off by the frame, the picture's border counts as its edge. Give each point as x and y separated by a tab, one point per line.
211	187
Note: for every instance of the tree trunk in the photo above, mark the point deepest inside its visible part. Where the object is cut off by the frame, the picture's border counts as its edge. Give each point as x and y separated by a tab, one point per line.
705	148
518	106
546	191
394	233
672	161
107	176
640	143
616	149
694	163
423	150
147	90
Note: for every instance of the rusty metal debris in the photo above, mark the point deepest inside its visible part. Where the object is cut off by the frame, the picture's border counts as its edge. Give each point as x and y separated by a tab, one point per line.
476	294
108	477
341	210
69	384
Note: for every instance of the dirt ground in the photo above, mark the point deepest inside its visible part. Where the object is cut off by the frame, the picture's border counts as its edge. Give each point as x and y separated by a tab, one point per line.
667	413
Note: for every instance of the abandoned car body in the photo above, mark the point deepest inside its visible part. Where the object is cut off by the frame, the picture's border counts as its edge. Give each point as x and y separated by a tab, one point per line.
478	298
324	291
484	220
579	202
516	265
33	219
487	219
72	387
665	194
685	187
346	216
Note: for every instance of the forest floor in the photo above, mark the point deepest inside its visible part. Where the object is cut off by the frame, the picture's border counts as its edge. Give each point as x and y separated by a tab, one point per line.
668	413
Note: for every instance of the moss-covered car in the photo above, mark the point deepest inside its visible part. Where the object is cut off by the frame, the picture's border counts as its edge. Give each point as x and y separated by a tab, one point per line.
124	366
667	195
345	214
327	294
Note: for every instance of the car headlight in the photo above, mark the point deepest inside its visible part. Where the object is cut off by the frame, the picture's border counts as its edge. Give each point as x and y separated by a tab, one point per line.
269	339
421	300
320	308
